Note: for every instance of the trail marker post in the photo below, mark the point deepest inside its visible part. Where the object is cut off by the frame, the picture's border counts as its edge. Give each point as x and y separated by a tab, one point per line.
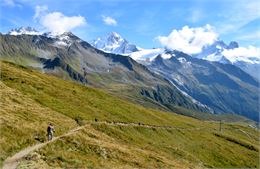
220	125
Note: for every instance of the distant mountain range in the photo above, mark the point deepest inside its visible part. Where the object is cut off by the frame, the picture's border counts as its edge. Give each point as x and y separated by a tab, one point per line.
24	31
166	79
69	57
212	53
215	53
209	77
223	87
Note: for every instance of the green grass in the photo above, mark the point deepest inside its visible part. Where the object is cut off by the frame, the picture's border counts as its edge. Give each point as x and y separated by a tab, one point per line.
132	94
75	100
30	100
23	121
114	146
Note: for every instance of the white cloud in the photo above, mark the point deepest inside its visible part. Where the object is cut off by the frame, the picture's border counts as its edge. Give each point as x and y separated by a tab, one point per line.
238	14
39	11
109	20
250	36
11	3
195	16
242	53
189	40
57	22
246	10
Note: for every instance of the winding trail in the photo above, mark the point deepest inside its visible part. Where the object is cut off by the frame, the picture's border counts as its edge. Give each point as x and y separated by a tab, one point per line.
13	161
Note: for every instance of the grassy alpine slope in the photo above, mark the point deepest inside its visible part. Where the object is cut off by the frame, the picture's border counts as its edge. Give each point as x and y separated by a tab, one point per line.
30	100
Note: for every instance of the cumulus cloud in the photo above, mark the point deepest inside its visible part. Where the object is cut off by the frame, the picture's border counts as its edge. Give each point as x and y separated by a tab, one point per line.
57	22
242	53
189	40
109	20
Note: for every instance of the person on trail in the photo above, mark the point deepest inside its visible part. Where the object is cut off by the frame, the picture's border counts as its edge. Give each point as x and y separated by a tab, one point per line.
50	131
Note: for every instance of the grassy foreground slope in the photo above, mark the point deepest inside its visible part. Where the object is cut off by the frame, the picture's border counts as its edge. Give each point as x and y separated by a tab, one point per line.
29	100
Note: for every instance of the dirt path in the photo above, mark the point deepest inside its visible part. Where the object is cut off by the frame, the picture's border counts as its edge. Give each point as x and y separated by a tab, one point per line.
12	162
146	125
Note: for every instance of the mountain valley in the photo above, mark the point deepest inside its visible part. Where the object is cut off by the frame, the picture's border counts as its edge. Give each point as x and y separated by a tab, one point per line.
122	106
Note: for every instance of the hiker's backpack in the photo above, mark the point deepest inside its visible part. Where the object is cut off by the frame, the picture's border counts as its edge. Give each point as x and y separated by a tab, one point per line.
49	129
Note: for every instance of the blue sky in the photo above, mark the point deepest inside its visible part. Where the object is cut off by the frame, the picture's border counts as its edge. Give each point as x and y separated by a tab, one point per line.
140	21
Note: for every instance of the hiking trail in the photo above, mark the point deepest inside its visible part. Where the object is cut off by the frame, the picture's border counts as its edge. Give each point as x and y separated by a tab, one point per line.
13	161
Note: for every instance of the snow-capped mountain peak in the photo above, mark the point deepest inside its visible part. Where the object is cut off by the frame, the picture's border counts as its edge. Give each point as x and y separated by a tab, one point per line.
215	51
114	37
220	52
147	55
248	59
60	39
63	39
114	43
24	30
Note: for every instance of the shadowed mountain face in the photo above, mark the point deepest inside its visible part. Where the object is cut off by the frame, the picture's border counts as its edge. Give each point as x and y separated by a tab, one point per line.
69	57
223	87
